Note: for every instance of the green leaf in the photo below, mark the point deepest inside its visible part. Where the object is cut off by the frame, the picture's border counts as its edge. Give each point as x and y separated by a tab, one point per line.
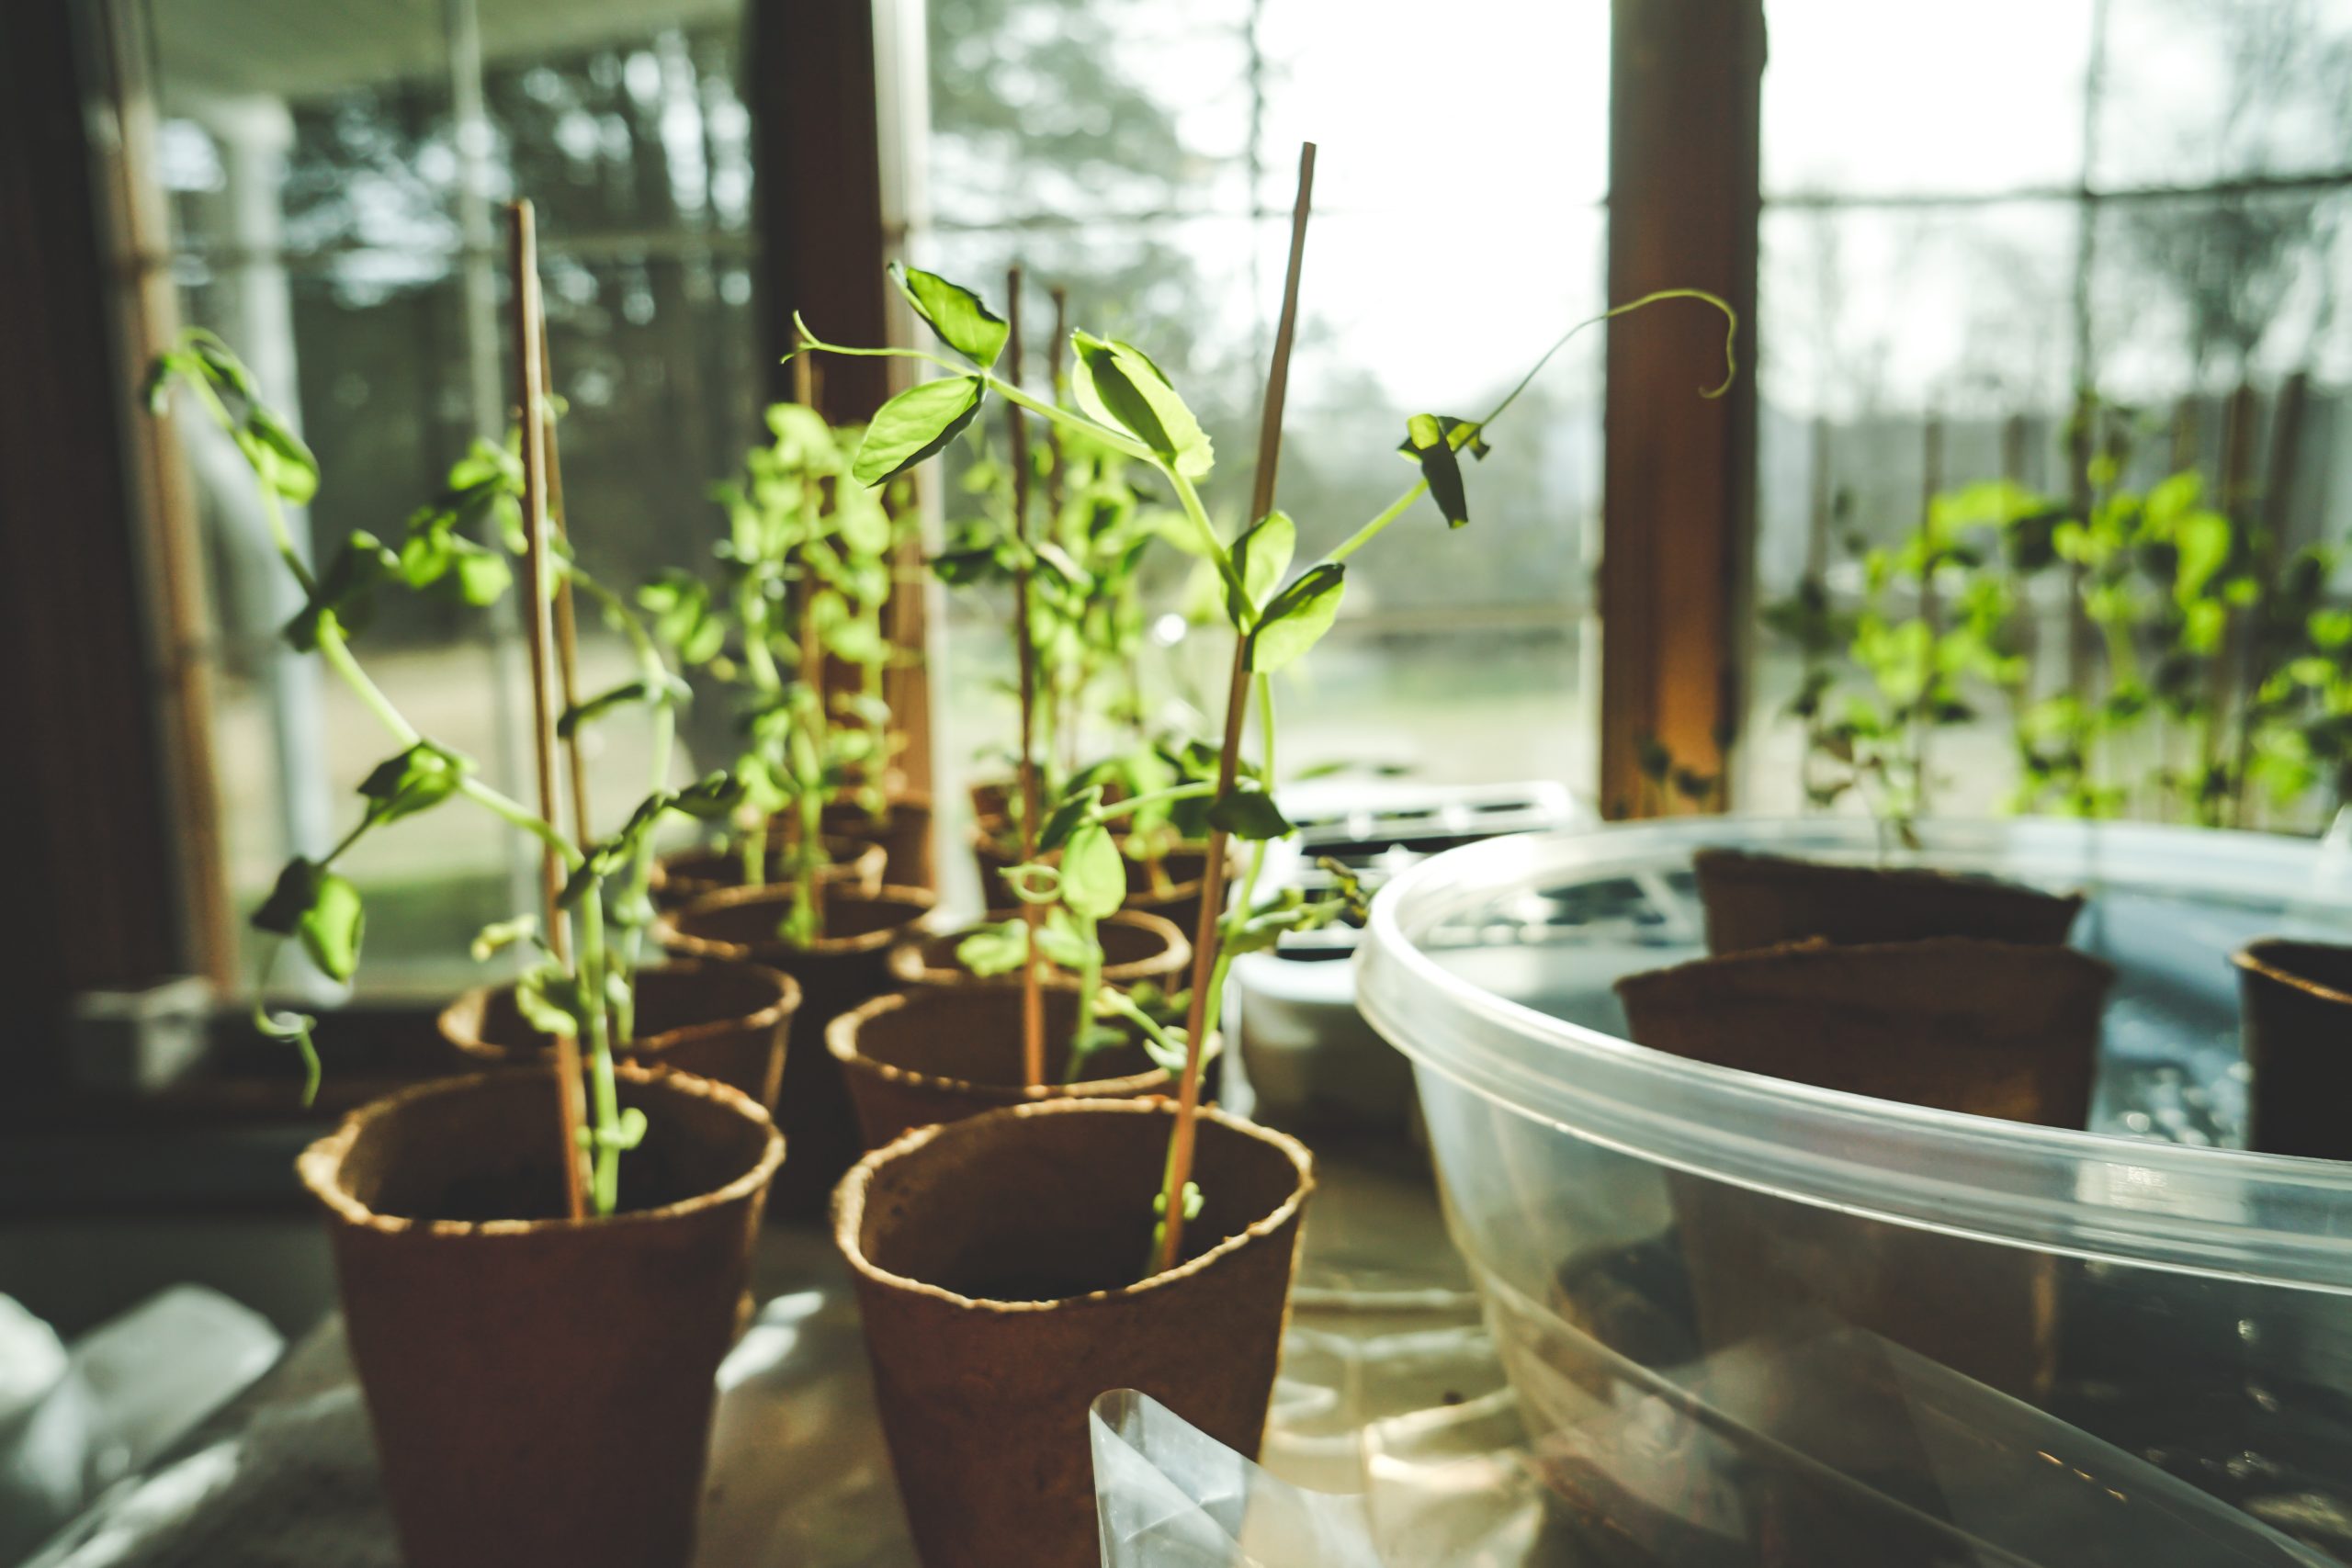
997	949
669	691
278	456
289	898
1094	879
500	935
1431	441
548	999
1116	384
955	313
915	424
711	798
1296	618
346	590
1074	809
1260	556
330	928
1247	812
416	780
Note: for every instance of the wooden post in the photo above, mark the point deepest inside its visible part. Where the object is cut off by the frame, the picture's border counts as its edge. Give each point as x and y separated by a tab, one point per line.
571	1099
1678	472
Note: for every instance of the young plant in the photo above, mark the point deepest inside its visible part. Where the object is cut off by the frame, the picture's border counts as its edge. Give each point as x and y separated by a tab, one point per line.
1277	613
806	572
585	995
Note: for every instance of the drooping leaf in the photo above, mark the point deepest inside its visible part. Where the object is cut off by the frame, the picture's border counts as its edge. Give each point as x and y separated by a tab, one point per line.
346	590
995	949
955	313
1248	812
330	928
1296	618
289	897
1430	443
278	456
915	424
1094	878
1117	384
415	780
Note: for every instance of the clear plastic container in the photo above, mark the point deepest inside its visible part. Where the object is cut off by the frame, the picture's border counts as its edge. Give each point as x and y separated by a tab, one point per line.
1752	1322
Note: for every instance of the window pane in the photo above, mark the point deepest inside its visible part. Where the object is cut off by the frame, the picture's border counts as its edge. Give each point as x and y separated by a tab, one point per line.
2200	293
1445	256
2196	91
336	220
1864	95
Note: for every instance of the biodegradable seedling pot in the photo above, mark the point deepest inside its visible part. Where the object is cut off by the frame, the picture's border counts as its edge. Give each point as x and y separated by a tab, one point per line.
1991	1028
939	1053
1755	901
993	854
1178	898
720	1021
680	879
2295	1021
1136	947
904	833
848	966
996	1261
541	1388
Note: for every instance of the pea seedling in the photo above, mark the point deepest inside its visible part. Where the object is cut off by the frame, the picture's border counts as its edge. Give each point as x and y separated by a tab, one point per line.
1277	615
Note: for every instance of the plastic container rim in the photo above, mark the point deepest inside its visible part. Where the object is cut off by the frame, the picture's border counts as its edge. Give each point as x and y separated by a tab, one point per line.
2143	1201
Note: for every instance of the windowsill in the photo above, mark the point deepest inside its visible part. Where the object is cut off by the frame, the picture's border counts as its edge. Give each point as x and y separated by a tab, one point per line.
221	1140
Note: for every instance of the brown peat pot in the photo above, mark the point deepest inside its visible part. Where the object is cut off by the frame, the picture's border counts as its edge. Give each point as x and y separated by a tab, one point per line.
996	1262
850	963
2295	1020
941	1054
1175	895
904	833
541	1389
680	879
1988	1029
1754	901
725	1022
993	854
1136	947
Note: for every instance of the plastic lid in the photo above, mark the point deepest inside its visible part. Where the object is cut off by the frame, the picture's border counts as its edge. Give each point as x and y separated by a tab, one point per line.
2223	1211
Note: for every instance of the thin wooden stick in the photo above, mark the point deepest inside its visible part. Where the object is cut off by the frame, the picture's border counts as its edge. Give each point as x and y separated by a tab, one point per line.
1033	995
1237	703
567	635
570	1092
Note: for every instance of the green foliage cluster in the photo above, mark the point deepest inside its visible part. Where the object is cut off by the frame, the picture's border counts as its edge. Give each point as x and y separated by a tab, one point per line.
804	579
2152	649
589	995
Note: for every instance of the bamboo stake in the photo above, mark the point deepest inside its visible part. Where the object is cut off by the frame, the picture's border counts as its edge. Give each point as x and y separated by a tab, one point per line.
571	1094
1237	703
1033	995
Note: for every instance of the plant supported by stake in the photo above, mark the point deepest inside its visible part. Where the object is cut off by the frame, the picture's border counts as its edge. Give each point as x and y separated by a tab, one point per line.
587	995
798	535
1127	405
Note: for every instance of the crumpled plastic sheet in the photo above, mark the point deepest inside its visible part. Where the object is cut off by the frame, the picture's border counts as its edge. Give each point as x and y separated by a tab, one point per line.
1593	1460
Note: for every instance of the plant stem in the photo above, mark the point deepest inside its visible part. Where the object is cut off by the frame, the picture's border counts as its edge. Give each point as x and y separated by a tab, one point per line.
605	1191
1033	995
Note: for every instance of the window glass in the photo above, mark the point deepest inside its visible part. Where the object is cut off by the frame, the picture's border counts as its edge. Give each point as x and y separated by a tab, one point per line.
1142	155
336	201
2142	202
